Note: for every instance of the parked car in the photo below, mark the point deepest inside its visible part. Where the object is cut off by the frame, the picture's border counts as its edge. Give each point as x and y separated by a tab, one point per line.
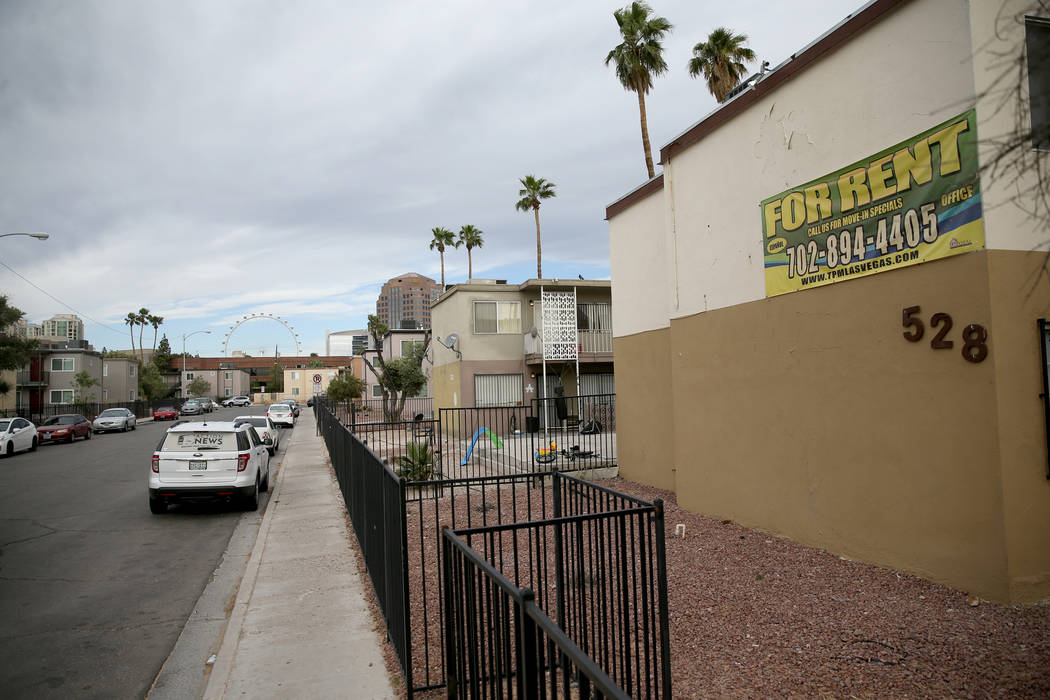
206	461
206	404
17	435
166	413
281	415
294	406
310	402
65	427
265	427
192	407
114	419
237	401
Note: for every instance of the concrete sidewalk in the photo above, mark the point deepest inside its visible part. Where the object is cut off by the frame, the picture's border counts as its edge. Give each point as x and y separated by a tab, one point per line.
300	627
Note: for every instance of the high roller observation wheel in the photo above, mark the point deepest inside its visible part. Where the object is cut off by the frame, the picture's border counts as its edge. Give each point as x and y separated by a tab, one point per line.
253	317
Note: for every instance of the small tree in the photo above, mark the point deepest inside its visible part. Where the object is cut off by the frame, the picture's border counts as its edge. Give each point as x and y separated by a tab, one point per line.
315	364
198	387
162	356
84	381
14	350
400	377
345	388
152	385
276	378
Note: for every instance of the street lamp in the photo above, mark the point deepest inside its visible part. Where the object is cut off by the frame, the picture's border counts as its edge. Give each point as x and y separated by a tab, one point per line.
184	336
38	236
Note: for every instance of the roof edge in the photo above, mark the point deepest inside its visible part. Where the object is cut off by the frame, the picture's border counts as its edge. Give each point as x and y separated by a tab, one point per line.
639	193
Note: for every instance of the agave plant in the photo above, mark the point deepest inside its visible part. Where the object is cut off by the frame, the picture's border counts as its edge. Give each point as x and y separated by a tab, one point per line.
417	464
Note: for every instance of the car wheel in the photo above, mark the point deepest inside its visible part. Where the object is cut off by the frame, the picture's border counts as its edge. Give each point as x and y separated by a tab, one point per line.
35	443
10	449
251	501
265	485
86	437
157	506
271	450
134	425
124	429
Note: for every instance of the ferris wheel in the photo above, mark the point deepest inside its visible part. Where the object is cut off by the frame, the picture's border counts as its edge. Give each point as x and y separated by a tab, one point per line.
254	317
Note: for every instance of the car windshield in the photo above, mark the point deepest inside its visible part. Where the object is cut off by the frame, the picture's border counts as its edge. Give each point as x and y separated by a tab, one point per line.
112	413
278	407
258	422
4	425
199	440
61	420
166	408
191	402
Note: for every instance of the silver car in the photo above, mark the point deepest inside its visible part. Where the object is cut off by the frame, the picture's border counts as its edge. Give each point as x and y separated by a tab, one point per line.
192	407
114	419
264	427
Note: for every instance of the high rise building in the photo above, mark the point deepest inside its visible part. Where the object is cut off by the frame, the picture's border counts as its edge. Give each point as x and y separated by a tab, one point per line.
64	326
345	342
404	301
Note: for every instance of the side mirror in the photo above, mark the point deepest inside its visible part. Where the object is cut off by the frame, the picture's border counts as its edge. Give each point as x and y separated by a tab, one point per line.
268	441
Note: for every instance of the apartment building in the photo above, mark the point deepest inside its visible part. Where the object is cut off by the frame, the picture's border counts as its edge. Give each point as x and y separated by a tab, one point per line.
223	382
488	343
396	343
840	338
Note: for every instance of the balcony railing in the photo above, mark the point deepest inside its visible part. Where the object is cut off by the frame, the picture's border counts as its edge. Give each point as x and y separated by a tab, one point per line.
591	342
31	378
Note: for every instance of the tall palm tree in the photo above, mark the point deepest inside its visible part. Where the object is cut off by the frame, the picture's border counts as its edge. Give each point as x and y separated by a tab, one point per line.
721	61
639	58
155	321
443	238
470	237
132	320
533	189
142	319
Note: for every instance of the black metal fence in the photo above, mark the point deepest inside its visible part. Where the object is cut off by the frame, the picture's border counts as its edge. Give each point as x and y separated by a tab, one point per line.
576	600
534	516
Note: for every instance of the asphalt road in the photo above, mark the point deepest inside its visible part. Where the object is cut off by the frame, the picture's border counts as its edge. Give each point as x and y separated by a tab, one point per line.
94	589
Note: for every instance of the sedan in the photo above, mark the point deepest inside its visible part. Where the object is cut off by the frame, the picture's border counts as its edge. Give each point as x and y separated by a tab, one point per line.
191	408
16	435
264	427
281	415
166	413
114	419
66	427
294	405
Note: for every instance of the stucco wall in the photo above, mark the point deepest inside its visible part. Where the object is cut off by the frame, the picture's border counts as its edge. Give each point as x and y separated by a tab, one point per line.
644	408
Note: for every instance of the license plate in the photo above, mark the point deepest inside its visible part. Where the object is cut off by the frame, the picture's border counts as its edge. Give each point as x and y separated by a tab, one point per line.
198	466
45	436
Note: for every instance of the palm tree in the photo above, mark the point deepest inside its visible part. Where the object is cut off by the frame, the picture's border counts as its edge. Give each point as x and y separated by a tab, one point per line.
532	191
721	60
442	238
470	237
142	319
639	59
132	320
155	321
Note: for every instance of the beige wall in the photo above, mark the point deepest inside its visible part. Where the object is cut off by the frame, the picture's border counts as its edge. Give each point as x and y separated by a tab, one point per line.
808	414
299	382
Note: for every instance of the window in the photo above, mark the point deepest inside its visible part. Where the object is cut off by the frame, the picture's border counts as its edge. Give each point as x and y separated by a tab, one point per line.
295	391
189	375
377	390
105	394
597	384
295	376
331	375
105	369
131	395
61	364
1037	44
497	390
594	316
131	370
61	396
228	392
229	377
407	345
497	317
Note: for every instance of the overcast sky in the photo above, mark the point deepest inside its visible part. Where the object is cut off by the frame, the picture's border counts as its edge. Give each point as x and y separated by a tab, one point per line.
208	159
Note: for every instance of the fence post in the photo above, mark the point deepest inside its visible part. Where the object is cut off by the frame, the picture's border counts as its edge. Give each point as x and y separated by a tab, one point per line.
527	663
661	585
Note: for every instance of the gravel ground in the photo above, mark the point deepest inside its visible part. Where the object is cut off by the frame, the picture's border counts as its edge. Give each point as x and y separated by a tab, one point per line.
752	615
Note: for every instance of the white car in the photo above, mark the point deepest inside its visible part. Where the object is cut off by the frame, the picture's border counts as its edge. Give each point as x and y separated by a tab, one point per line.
210	460
281	415
114	419
17	435
265	427
237	401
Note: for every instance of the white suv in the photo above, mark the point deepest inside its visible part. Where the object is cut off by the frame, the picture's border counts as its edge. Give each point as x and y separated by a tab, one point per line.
209	460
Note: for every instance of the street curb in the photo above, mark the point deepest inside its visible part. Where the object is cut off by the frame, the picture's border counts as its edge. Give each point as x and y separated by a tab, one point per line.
219	678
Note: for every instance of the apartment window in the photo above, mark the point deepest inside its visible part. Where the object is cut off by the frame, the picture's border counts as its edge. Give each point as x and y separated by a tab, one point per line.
594	316
228	391
1037	44
61	396
131	370
105	369
295	376
189	375
497	390
377	390
62	364
597	384
295	391
105	394
229	376
131	395
497	317
407	345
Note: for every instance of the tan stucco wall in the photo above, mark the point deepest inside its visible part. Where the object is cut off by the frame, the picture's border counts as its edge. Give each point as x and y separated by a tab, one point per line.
644	410
809	415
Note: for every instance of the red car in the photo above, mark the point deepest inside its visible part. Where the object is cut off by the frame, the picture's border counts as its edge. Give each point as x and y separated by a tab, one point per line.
165	414
64	428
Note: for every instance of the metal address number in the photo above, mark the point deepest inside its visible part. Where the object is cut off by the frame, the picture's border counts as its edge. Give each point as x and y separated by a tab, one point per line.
975	336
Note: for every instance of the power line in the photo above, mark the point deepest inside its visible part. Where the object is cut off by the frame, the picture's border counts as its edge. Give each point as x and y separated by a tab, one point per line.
79	313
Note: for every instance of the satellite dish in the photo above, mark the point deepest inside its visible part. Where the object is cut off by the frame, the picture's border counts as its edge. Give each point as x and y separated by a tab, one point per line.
533	332
451	341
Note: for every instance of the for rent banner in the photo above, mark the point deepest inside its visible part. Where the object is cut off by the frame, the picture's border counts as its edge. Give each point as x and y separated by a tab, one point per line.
917	201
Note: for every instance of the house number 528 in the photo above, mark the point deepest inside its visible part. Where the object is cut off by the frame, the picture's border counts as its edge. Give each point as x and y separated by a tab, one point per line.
974	336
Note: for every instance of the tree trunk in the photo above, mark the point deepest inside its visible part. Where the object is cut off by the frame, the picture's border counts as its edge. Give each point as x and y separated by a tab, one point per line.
645	135
539	252
470	266
141	359
442	269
